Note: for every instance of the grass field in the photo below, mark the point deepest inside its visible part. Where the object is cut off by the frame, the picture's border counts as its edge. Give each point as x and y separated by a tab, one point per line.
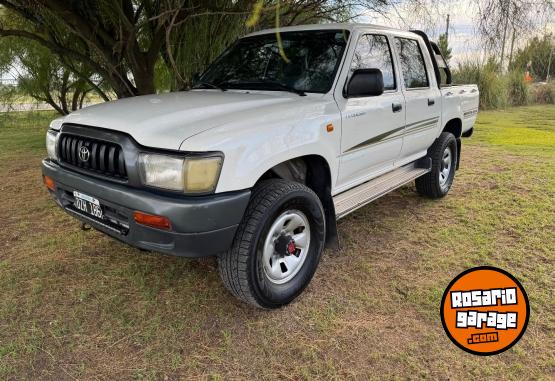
78	305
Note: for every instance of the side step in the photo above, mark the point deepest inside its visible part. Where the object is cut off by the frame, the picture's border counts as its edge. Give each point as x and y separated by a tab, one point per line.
367	192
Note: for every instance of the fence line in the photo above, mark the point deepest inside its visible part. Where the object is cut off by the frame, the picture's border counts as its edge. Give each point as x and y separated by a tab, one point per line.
19	107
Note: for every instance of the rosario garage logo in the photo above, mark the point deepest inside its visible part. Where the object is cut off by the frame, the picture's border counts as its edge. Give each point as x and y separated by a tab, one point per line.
485	310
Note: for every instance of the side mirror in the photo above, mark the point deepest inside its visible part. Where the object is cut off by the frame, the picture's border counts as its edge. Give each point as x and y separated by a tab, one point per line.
365	83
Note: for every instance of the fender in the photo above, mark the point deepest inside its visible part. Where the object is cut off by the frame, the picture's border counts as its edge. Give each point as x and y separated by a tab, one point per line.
254	145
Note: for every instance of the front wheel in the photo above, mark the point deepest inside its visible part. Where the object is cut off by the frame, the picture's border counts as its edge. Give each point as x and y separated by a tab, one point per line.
437	182
277	246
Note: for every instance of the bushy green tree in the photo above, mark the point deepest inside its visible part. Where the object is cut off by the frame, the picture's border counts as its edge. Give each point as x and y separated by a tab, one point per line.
444	48
42	74
535	57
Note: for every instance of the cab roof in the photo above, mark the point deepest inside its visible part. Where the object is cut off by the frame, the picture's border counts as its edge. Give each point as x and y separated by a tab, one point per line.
329	26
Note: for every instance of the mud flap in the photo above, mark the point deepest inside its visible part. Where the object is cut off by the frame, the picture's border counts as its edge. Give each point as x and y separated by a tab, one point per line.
459	147
332	238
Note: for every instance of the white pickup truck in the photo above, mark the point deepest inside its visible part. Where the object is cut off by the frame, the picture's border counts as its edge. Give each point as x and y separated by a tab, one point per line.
283	134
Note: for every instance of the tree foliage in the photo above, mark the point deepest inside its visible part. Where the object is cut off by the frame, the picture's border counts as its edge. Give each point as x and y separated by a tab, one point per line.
501	23
45	79
134	45
535	57
41	74
444	48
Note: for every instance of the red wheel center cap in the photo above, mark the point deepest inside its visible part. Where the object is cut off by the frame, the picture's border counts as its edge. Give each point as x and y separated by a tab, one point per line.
291	248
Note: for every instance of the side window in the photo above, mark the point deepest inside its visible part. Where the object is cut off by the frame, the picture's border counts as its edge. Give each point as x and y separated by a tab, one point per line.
373	52
412	63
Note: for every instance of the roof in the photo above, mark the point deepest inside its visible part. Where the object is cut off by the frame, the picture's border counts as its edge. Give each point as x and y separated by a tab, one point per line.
342	26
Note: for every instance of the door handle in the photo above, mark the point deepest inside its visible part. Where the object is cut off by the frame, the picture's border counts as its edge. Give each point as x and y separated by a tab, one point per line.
473	90
396	107
431	102
462	91
448	94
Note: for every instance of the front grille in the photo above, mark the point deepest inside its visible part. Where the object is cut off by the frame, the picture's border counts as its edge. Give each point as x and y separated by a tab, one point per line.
103	158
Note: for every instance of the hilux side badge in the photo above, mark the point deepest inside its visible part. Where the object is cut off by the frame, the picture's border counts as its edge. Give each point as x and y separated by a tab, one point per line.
355	115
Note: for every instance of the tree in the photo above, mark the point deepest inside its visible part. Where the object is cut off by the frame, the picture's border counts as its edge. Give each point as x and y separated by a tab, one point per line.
534	57
497	18
443	45
42	76
123	41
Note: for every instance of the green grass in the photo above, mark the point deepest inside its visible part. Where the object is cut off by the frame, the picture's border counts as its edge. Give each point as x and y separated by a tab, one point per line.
80	305
524	130
24	132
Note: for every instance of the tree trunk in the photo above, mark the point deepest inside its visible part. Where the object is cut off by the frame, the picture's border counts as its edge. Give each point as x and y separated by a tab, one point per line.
51	102
63	92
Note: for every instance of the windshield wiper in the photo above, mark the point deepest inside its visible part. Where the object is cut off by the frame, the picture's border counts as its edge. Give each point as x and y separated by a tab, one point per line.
263	83
209	85
285	87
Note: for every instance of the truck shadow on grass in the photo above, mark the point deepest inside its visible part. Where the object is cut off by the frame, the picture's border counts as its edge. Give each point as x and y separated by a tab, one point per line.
193	283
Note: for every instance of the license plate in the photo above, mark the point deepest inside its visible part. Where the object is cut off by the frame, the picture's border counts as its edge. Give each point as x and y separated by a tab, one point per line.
87	204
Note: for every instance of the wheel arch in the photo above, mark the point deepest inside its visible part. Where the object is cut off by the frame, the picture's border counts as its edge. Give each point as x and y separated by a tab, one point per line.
313	171
454	126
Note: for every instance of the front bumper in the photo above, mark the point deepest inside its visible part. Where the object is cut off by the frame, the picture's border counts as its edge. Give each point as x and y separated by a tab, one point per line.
201	225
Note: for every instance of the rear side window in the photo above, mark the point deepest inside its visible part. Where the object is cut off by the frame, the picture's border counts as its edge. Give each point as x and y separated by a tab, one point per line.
373	52
412	63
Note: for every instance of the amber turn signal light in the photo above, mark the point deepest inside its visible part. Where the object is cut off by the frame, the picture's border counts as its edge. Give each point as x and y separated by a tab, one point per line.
158	222
49	183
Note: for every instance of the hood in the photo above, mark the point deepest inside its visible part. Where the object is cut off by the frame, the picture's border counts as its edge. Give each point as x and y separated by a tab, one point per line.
166	120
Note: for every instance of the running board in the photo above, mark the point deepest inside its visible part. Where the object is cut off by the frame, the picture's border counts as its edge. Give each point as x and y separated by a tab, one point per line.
367	192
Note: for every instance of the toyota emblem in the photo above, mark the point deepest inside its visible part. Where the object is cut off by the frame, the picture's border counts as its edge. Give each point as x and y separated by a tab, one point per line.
84	153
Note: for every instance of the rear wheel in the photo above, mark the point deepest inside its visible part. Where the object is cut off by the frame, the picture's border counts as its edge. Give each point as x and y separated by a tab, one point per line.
437	182
277	246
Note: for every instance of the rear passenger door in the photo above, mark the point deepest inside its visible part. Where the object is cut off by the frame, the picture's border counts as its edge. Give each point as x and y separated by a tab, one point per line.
422	97
372	126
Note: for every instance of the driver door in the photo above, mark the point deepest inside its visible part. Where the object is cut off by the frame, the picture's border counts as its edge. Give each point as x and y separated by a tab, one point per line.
372	126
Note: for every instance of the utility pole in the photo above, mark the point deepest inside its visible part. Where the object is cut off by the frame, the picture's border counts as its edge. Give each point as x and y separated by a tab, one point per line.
447	29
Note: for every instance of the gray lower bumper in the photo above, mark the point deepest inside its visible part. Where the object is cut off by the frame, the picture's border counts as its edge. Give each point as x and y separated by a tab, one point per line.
201	225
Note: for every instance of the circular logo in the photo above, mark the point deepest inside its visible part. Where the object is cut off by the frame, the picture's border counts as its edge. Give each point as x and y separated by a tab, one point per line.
485	310
84	153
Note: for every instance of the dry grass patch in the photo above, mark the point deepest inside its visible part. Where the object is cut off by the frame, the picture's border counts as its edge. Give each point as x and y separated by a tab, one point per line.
78	305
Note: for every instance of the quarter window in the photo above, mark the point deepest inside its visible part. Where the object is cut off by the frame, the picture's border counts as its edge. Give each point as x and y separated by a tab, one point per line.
373	52
412	63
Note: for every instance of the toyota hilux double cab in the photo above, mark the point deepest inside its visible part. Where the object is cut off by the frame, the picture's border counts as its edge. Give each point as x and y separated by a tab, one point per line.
286	132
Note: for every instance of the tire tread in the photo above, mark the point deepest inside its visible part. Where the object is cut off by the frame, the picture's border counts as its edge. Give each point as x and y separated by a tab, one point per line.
233	264
427	185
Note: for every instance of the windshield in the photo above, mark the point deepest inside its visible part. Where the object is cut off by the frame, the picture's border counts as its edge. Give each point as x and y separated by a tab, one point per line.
307	63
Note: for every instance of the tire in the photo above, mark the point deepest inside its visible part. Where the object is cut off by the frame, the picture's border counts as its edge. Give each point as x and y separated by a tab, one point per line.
266	270
437	182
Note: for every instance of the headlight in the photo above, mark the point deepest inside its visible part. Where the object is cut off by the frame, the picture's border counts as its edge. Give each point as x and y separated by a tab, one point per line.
189	174
51	144
201	174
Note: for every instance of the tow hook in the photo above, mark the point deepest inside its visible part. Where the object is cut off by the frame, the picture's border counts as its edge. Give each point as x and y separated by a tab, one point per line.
85	226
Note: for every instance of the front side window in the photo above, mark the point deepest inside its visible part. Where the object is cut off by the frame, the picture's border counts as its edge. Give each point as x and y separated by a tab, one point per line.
412	63
373	52
304	60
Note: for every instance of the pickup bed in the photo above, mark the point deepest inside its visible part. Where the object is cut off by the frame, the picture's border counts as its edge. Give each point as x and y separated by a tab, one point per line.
278	139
